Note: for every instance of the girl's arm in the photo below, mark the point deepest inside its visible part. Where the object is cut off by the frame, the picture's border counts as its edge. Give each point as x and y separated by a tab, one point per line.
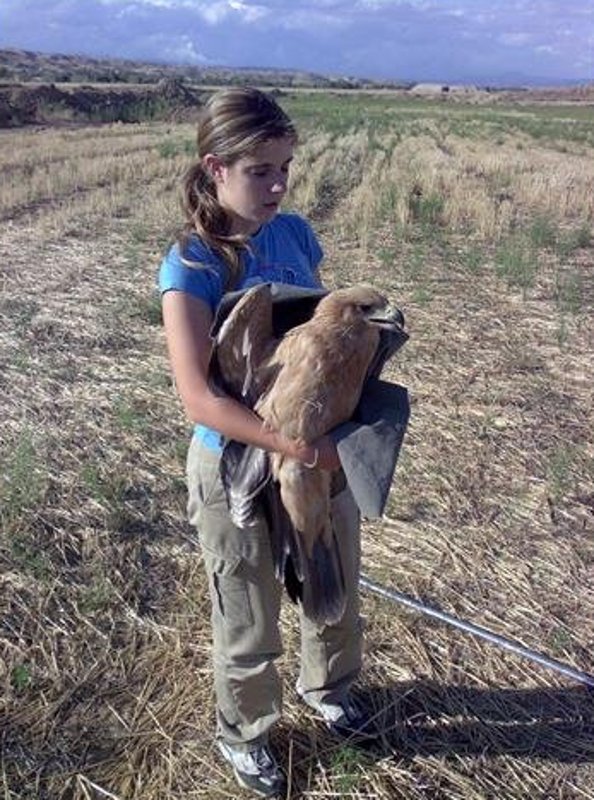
187	321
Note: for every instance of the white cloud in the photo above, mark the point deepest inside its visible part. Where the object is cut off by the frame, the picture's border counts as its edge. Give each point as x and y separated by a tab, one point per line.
376	5
384	3
132	6
250	13
214	13
515	39
314	20
184	49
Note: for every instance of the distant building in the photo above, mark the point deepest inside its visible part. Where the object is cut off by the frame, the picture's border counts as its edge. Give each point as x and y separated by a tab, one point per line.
430	89
444	89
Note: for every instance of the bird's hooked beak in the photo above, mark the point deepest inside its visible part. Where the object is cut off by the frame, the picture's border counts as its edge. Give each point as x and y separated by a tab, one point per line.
388	317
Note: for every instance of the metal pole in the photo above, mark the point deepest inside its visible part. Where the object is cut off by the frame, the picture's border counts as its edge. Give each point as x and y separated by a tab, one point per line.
478	630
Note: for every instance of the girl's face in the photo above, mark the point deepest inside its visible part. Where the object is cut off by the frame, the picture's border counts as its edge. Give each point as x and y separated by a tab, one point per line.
251	189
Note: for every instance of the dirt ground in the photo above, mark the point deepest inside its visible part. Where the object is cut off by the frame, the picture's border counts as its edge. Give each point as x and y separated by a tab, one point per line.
106	682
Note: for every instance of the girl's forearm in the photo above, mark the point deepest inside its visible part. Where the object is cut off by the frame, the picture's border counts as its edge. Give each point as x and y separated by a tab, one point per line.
237	422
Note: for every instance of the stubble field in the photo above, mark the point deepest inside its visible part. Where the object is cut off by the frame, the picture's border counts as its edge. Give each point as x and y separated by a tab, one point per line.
478	222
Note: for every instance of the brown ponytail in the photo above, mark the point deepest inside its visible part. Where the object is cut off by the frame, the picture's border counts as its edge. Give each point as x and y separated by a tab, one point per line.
205	217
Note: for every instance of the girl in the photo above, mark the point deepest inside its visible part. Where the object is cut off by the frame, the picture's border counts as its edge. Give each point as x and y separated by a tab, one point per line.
234	236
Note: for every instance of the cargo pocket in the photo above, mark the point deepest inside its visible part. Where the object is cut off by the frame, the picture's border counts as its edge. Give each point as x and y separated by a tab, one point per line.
230	594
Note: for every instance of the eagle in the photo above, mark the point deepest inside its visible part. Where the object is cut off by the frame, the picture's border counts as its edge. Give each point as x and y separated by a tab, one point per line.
302	384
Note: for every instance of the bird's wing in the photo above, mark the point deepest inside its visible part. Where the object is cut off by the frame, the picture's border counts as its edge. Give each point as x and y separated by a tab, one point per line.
239	349
245	472
241	345
318	381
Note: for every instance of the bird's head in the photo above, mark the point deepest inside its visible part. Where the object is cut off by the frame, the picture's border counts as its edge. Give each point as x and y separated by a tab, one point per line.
361	304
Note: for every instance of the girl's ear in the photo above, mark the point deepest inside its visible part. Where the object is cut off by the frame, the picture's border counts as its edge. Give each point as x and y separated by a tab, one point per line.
214	166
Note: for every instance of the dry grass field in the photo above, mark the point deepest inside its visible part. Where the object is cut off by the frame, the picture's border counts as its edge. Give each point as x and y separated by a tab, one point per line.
478	221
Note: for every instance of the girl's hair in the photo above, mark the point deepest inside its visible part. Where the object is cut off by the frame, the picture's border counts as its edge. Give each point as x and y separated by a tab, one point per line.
232	124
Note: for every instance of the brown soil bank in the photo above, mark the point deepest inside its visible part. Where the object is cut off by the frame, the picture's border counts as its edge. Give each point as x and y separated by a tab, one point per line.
26	104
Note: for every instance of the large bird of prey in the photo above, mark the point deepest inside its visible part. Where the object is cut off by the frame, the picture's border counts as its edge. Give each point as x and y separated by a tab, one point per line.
303	385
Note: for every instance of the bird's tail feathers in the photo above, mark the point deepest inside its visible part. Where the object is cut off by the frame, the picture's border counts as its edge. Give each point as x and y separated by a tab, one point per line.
323	587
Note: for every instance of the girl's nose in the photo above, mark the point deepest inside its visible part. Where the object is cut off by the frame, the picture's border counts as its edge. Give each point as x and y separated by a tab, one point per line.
279	185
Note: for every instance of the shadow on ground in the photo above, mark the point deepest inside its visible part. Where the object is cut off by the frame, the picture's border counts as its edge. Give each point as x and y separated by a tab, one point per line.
430	719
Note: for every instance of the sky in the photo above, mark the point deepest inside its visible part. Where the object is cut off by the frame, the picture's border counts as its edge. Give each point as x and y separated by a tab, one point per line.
454	41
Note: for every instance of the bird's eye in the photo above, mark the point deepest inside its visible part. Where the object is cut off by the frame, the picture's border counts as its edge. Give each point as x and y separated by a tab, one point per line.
366	308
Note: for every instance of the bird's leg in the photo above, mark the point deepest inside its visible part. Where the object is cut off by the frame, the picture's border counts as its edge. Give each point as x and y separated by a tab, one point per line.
306	496
303	444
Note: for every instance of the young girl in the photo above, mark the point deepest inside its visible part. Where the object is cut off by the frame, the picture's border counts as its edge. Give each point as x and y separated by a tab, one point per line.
235	236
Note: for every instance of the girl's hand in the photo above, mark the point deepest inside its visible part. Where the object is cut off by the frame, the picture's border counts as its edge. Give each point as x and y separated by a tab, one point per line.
322	454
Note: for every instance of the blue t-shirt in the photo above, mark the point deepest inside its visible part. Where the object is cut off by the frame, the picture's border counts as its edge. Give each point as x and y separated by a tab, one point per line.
284	250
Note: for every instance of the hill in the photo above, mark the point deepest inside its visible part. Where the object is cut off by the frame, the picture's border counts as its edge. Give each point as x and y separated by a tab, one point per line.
26	66
42	103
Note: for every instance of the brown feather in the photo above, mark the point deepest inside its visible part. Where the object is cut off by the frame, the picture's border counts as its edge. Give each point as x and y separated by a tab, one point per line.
244	343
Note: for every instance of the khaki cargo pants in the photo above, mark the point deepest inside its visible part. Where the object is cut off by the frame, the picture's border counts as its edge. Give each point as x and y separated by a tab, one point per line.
246	600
